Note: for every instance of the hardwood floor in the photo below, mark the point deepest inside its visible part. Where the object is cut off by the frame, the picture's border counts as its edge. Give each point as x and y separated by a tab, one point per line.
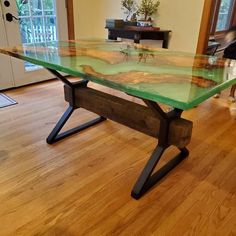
81	185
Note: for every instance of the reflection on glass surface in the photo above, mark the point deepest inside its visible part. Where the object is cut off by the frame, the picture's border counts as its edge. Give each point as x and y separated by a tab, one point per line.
178	79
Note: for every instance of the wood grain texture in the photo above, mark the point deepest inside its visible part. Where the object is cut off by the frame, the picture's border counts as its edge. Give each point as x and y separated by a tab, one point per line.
81	185
70	19
128	113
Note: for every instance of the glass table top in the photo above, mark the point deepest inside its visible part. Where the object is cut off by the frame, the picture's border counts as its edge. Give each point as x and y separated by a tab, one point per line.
181	80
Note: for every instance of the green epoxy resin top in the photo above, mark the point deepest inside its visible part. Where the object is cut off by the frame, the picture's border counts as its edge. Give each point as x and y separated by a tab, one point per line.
178	79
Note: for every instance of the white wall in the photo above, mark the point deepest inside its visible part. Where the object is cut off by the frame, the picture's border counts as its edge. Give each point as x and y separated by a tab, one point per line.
90	16
183	17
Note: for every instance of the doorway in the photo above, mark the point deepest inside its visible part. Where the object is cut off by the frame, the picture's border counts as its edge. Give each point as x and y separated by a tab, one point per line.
28	22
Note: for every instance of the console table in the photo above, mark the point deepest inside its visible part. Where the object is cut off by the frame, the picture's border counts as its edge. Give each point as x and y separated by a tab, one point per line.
138	33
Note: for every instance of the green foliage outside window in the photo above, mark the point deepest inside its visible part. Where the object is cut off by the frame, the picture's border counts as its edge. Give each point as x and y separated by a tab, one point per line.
33	15
36	6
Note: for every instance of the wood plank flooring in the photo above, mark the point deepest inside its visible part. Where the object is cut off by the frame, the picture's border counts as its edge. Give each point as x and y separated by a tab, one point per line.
81	185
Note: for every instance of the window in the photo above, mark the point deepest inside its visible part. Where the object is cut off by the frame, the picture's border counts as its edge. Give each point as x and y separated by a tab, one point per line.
37	23
224	16
37	20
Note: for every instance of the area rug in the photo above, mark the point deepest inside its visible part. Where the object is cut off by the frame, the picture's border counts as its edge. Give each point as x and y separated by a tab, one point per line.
6	101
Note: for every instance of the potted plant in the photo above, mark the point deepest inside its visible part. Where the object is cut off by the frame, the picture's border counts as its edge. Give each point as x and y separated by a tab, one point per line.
130	8
148	8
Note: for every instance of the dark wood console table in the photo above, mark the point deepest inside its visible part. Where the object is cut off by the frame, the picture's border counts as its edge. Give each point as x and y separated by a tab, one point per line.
138	33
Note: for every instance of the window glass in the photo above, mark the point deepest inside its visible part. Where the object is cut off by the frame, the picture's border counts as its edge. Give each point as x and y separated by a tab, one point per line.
37	23
225	14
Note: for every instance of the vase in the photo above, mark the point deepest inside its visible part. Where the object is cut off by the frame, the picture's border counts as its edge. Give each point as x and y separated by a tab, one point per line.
144	23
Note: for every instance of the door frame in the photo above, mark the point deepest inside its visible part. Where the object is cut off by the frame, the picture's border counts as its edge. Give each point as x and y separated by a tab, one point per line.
70	19
205	27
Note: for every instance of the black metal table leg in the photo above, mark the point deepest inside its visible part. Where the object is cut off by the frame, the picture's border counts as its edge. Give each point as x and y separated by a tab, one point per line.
147	171
146	180
54	136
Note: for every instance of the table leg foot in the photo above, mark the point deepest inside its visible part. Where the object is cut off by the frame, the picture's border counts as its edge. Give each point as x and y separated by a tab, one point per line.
146	180
54	136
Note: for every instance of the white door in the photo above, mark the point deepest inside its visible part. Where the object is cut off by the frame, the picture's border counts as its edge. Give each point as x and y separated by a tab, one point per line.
27	22
6	76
